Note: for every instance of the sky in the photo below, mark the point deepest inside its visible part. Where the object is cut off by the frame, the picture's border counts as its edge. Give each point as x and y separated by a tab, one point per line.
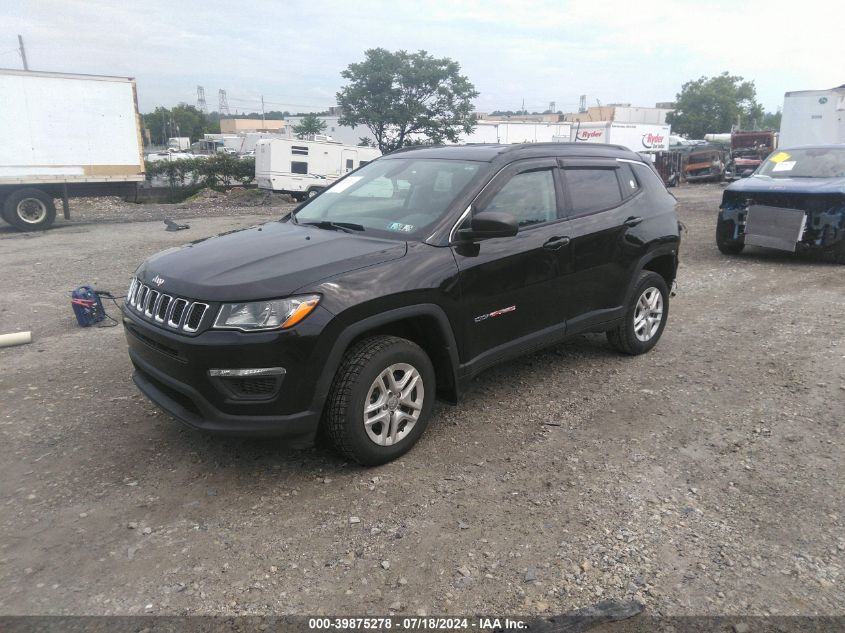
637	52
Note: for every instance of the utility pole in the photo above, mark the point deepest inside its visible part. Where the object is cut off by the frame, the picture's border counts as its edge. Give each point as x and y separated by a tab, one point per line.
23	52
263	122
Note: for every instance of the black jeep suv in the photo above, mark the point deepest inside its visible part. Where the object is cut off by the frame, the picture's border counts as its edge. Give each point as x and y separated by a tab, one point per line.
399	284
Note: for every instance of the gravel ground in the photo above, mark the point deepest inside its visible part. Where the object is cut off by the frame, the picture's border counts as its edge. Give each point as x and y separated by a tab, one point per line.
703	478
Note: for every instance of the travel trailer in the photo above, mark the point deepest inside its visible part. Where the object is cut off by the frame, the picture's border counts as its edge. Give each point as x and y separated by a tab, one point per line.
304	168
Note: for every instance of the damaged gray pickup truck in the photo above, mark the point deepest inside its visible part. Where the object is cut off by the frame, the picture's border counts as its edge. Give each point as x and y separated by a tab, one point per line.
795	201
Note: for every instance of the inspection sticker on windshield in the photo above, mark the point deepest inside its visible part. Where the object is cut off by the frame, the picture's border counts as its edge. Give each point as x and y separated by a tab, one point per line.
344	184
402	228
779	157
786	165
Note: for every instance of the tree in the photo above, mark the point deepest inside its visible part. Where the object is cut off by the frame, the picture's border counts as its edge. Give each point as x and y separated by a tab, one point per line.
183	120
771	120
189	121
399	96
308	125
715	104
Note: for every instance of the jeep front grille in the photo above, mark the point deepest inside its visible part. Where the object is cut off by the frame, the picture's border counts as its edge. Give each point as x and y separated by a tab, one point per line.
167	311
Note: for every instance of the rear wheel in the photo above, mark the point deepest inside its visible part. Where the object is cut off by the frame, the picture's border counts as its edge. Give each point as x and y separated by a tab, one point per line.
645	317
29	210
725	230
380	401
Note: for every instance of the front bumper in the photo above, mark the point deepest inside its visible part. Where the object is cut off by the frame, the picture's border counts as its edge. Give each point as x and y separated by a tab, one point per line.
172	370
785	228
187	405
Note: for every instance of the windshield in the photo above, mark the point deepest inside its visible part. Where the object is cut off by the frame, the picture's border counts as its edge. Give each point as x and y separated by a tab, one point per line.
821	162
398	197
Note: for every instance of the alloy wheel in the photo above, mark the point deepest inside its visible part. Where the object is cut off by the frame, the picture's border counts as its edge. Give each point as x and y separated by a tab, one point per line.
393	404
648	314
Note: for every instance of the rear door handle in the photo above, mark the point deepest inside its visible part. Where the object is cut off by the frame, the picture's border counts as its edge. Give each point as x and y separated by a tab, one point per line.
555	243
633	221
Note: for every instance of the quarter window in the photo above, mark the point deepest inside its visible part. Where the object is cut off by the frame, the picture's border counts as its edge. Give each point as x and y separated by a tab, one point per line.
592	189
529	197
630	186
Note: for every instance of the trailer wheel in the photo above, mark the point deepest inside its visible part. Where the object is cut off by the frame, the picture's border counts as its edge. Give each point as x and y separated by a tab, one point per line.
29	210
314	191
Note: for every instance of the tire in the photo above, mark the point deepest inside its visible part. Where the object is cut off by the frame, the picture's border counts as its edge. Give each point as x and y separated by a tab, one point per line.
836	253
724	237
29	210
650	297
362	379
313	192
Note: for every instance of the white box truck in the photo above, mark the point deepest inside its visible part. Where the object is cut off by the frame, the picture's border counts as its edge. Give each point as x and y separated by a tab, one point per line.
638	137
812	117
304	168
511	132
65	135
179	143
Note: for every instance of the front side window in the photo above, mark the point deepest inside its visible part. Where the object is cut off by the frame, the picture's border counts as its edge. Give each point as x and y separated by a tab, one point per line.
592	189
529	197
399	197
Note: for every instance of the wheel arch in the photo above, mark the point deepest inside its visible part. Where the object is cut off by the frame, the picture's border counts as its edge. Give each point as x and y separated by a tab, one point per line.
662	261
424	324
665	265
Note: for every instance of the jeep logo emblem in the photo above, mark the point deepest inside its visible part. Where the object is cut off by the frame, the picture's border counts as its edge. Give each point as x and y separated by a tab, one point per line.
158	280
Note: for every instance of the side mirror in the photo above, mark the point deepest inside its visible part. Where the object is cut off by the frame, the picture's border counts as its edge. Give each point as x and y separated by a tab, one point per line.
489	224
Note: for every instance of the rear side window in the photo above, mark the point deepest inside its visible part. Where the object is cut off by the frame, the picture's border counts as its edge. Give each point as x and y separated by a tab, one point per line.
529	196
297	167
592	189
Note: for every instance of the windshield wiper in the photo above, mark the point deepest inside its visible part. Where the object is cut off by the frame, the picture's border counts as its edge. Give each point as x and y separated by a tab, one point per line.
348	227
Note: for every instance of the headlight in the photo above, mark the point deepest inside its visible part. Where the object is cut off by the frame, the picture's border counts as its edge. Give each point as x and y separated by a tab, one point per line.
265	315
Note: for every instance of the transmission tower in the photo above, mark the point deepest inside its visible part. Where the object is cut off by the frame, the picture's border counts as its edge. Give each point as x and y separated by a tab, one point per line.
223	107
201	105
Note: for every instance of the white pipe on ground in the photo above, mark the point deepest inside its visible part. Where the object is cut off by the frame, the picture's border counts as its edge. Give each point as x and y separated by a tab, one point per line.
15	338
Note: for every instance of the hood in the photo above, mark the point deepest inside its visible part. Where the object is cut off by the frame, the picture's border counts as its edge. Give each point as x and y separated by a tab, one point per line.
263	262
764	184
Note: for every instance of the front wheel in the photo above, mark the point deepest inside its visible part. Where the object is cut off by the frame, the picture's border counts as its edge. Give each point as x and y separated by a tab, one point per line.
725	241
29	210
645	317
380	401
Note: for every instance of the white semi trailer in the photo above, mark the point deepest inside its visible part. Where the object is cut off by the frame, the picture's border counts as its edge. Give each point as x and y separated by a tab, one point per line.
812	117
65	135
639	137
305	168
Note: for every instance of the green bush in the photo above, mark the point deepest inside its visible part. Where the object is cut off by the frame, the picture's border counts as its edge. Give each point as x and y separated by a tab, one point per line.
186	176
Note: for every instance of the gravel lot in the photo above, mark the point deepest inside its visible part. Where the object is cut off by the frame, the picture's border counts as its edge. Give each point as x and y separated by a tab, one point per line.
703	478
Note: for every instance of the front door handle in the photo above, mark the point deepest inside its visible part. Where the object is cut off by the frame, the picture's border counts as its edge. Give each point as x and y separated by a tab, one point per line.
555	243
633	221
